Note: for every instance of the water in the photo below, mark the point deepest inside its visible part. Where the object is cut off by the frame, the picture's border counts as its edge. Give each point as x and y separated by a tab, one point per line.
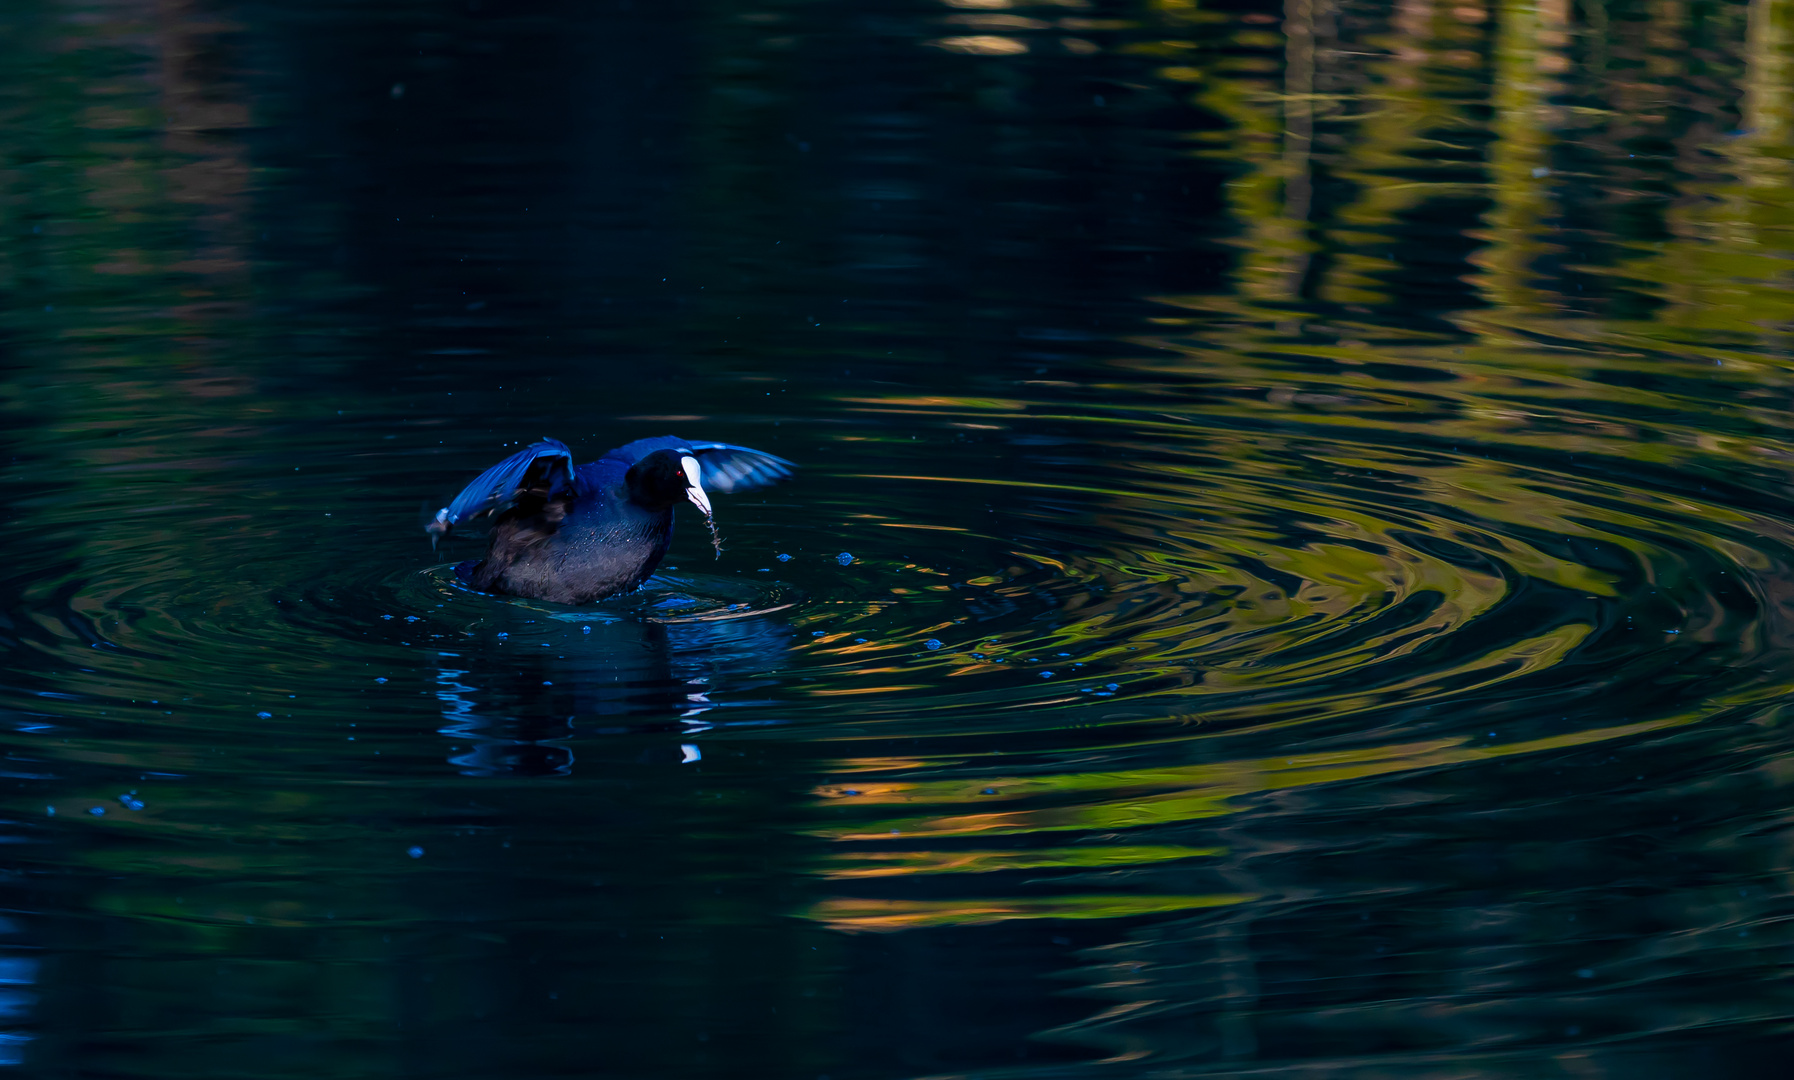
1288	575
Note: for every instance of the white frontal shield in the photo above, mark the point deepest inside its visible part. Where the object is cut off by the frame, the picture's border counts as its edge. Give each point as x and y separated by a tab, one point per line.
695	487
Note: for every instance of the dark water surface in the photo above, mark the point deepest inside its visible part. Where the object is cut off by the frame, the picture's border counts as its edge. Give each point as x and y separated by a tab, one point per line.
1292	571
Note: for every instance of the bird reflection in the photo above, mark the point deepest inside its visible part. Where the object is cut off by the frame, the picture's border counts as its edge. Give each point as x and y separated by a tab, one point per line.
513	704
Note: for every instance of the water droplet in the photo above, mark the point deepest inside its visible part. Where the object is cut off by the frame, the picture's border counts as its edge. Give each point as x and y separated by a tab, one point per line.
98	811
1046	674
380	679
415	852
585	629
844	558
932	643
264	716
784	558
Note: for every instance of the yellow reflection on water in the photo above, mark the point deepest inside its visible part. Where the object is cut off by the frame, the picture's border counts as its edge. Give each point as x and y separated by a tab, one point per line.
859	915
982	45
873	864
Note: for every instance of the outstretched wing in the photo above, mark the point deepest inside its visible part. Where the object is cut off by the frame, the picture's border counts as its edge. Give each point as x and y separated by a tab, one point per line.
722	467
730	469
542	472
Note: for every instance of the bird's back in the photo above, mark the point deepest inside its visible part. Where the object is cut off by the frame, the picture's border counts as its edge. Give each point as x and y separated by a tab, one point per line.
578	550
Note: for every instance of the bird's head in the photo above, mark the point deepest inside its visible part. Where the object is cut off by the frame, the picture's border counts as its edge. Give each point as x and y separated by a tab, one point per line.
666	476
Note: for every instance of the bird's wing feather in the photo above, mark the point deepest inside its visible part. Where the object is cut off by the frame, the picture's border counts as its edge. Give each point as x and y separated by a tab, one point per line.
730	469
544	470
723	467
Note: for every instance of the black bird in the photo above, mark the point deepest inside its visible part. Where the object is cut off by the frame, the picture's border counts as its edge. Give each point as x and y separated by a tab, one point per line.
575	534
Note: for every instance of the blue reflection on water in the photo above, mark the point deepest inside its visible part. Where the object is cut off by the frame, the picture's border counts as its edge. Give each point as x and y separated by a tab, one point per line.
603	675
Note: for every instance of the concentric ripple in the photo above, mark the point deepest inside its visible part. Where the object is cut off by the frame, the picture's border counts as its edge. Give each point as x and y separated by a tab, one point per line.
1108	656
1271	601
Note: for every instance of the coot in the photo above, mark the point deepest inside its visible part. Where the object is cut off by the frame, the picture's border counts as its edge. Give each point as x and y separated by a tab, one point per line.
575	534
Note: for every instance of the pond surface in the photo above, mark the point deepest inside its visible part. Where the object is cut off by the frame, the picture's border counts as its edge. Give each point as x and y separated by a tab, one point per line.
1290	571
